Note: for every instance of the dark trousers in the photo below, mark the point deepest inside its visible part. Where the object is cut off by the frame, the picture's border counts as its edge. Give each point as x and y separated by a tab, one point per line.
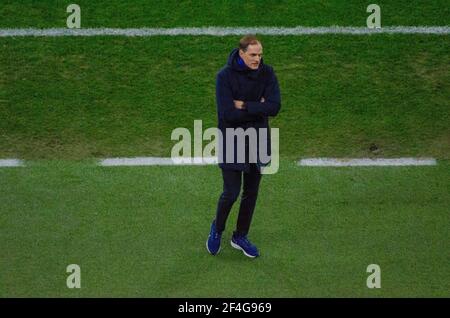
231	190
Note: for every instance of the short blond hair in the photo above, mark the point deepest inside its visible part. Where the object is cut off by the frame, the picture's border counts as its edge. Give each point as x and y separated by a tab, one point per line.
247	40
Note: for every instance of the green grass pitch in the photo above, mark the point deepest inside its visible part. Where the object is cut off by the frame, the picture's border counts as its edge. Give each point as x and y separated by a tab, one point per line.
141	231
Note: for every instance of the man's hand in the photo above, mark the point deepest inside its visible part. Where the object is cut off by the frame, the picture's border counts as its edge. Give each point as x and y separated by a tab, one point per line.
238	104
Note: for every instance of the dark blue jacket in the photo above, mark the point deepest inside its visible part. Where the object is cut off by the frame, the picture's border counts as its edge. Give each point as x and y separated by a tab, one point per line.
236	81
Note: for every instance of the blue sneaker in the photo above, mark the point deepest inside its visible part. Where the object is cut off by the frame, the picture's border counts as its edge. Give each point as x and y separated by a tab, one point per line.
243	244
213	242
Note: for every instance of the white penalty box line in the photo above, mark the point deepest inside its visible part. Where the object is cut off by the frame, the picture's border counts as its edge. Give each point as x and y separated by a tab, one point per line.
4	163
222	31
361	162
311	162
158	161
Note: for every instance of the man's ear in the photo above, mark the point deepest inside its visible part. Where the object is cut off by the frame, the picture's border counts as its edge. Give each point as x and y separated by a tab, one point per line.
241	53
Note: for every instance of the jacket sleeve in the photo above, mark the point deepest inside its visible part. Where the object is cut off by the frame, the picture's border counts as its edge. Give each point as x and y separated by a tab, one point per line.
225	104
272	104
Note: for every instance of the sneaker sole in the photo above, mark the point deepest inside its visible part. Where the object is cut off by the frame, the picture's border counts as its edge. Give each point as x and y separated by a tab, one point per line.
207	248
241	249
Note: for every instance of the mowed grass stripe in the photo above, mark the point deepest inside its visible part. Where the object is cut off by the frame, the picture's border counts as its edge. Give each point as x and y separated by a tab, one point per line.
174	13
317	230
97	97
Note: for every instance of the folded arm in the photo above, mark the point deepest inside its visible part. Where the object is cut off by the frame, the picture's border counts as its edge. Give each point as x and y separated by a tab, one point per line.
227	108
270	104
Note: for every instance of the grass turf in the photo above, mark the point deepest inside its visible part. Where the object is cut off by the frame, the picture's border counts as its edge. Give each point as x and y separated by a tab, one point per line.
135	232
77	98
174	13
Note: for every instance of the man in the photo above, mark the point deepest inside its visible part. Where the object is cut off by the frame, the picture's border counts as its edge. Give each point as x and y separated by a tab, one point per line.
247	92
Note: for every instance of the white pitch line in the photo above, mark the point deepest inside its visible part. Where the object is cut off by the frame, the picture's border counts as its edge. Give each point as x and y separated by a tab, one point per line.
334	162
224	31
158	161
11	163
312	162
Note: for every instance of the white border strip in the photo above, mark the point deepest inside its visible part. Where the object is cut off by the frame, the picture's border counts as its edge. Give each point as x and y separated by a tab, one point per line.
11	163
158	161
311	162
223	31
334	162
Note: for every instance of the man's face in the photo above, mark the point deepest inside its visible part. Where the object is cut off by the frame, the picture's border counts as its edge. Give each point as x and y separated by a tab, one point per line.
252	57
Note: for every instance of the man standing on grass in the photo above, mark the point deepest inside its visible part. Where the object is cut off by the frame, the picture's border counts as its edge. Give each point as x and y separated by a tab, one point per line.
247	92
